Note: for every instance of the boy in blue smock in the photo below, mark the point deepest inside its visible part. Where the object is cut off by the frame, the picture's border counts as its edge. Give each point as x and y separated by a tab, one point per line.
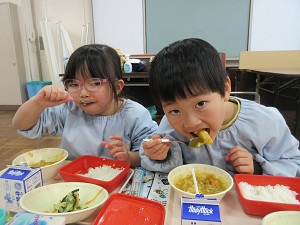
90	114
188	81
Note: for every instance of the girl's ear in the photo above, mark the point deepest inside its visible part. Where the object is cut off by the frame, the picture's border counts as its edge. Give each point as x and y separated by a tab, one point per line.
119	86
227	89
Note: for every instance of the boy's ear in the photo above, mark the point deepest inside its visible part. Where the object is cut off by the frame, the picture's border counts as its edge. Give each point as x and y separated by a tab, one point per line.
227	89
120	85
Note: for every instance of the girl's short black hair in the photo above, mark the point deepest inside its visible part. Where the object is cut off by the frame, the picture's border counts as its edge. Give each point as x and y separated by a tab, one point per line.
96	61
187	67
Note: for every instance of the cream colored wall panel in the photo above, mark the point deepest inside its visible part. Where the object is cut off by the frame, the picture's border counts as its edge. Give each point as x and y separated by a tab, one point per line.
12	71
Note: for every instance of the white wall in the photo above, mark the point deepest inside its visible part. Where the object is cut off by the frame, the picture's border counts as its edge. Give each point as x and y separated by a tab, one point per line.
275	25
72	13
278	19
120	24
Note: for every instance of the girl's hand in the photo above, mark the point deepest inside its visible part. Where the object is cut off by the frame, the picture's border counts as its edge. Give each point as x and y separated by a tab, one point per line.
241	159
155	149
51	96
117	147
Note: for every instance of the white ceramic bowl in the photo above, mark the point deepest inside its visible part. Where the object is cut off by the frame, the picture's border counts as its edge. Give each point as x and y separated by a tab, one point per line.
41	200
219	173
32	157
282	218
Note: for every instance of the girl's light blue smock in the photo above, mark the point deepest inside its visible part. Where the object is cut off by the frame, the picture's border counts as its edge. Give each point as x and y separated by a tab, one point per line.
259	129
82	133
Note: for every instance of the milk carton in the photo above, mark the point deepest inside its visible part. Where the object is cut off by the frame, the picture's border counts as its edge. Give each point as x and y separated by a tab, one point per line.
31	218
15	181
200	211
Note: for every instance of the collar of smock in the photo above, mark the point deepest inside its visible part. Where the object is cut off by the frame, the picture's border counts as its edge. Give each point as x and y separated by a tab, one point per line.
236	101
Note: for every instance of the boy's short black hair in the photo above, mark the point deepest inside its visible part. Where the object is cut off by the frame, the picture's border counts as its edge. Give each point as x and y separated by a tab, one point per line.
187	67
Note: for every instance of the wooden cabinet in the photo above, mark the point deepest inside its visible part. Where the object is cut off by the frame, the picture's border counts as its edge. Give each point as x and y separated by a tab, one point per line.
12	69
136	79
137	86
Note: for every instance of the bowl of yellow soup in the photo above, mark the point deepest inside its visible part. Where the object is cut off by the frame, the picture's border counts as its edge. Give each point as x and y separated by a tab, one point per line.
212	181
50	160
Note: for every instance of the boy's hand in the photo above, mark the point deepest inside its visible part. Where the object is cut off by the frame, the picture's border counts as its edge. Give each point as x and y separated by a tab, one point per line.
155	149
241	159
51	96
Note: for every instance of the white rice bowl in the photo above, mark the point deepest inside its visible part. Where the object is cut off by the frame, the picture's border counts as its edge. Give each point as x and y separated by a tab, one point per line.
42	200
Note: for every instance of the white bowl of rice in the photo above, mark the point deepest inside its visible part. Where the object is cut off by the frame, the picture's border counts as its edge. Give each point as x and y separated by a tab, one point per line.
261	194
105	172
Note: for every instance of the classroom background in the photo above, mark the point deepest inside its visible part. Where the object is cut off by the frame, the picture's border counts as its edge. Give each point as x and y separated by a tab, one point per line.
38	35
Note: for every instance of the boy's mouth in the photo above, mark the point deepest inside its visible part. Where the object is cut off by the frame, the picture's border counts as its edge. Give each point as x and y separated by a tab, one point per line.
195	133
201	137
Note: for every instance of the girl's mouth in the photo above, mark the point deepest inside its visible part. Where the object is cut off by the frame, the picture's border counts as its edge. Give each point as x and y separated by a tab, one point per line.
82	102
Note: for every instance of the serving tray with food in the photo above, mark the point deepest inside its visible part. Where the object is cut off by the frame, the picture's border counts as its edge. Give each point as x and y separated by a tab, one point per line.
101	178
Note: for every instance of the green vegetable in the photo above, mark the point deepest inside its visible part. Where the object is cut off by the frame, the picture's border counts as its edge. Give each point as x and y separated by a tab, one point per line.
69	203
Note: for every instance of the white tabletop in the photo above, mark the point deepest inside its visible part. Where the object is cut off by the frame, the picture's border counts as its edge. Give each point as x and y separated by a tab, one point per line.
230	209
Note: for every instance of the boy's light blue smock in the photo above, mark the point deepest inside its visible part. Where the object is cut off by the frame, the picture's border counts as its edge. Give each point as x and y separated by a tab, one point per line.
82	133
259	129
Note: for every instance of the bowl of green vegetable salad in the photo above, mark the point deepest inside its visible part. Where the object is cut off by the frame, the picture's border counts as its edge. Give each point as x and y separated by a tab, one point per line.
73	200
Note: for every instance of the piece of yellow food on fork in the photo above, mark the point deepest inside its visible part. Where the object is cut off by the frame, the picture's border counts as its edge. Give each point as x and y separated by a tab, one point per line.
203	138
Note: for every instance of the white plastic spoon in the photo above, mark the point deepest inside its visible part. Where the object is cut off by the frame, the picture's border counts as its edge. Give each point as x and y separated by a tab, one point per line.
195	181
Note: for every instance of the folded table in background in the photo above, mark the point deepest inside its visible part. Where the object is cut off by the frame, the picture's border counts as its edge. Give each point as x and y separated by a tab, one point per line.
281	80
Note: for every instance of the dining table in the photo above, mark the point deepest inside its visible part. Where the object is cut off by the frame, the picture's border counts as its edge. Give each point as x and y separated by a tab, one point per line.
231	211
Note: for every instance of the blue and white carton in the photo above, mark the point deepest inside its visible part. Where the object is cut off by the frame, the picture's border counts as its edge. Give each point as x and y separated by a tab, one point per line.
16	181
200	211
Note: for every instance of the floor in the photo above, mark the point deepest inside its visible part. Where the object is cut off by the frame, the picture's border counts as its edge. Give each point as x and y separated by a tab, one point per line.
12	144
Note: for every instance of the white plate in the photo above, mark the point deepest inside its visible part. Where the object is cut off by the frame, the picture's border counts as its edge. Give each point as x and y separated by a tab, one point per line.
282	218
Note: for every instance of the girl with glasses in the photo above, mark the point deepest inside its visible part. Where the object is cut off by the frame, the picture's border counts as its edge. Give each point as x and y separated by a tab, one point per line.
91	113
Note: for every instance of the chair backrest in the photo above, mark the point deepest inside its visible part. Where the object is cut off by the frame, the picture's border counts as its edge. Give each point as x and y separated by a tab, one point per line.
223	58
146	58
269	59
256	96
